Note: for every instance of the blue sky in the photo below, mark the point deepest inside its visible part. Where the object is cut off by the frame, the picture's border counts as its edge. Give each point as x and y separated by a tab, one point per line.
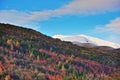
97	18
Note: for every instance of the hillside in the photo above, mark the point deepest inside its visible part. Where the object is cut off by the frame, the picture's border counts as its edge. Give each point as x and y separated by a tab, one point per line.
26	54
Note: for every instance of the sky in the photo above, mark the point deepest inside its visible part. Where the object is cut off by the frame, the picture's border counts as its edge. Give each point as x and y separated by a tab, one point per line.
96	18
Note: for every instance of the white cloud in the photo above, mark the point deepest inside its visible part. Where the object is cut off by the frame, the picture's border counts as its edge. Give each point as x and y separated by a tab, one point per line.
14	16
113	26
74	7
89	6
112	29
23	17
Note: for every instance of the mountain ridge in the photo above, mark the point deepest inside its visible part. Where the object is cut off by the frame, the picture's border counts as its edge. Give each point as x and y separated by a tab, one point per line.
87	39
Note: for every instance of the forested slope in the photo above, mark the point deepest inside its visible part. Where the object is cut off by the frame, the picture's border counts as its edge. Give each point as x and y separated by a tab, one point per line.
26	54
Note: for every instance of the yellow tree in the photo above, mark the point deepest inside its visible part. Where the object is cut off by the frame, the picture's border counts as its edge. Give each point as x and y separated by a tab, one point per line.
72	57
9	41
17	44
7	77
1	70
31	54
63	68
38	57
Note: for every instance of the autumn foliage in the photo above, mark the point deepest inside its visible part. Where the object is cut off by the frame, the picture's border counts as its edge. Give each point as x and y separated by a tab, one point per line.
29	55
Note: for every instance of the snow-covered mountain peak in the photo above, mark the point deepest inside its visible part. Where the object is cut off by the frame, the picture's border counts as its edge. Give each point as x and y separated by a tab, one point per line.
75	38
87	39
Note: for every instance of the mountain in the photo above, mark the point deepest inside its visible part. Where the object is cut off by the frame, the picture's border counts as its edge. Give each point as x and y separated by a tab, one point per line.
81	39
26	54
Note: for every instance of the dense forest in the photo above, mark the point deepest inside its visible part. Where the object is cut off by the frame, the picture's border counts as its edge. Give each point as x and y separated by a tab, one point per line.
26	54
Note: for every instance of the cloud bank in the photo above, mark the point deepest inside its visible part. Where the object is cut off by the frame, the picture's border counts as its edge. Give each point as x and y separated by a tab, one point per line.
76	7
113	26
